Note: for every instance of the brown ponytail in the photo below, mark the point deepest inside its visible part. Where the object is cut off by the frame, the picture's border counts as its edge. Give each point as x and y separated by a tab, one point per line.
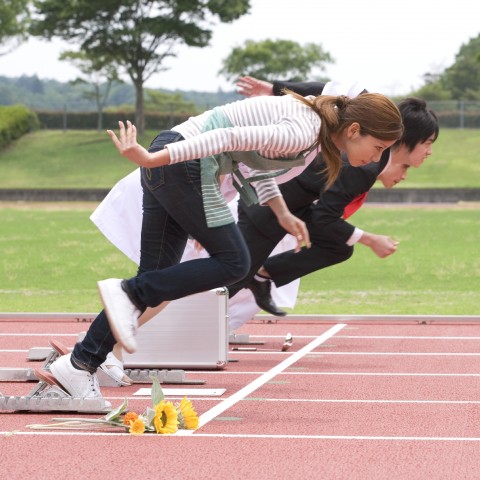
376	114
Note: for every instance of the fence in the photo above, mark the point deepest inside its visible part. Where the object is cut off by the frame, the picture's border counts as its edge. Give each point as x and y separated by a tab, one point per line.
451	114
457	113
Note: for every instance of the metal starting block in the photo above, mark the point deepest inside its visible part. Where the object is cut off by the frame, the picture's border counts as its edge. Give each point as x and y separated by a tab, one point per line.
36	354
50	354
176	377
47	397
242	339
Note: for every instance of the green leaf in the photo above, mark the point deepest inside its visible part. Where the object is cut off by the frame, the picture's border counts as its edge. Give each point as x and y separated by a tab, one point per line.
149	416
157	392
114	414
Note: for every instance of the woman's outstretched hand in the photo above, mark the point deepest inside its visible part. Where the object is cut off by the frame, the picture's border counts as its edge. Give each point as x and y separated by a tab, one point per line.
252	87
127	145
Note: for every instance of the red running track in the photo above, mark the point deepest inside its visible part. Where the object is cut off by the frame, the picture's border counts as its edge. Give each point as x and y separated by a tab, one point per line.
347	401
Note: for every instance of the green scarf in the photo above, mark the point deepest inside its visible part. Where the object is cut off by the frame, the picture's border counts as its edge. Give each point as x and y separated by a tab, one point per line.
217	212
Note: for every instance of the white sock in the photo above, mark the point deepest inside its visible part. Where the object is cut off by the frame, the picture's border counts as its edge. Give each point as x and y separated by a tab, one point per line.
260	278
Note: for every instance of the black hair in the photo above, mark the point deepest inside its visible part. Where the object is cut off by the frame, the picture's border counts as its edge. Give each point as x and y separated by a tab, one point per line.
420	123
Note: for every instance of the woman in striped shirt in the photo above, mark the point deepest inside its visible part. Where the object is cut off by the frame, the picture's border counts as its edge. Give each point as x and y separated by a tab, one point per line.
181	198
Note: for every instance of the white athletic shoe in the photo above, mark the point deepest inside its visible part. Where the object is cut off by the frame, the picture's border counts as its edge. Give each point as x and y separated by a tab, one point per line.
78	383
113	367
122	314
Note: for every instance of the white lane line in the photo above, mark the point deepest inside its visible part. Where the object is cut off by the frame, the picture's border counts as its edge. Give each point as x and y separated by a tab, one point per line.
343	437
258	382
445	354
266	436
386	374
320	354
39	335
319	400
336	400
399	337
13	351
407	337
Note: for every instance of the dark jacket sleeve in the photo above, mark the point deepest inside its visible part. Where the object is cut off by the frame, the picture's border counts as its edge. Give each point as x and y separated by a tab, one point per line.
302	88
328	211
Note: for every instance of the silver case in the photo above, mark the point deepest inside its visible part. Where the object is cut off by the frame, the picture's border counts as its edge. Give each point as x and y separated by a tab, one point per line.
189	333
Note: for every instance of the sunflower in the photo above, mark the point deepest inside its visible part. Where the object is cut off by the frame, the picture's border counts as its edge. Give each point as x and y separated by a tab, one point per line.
187	415
166	417
137	426
129	416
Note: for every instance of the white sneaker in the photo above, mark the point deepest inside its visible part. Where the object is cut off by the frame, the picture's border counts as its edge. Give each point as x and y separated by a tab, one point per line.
113	367
78	383
122	314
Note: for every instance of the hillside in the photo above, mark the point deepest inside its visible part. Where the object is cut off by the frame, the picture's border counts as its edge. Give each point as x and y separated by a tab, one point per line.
45	94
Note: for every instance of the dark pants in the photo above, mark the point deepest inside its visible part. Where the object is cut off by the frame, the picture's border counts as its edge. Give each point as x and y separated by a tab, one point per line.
288	266
172	210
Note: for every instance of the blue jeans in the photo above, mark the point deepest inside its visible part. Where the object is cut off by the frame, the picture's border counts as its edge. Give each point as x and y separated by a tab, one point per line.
172	211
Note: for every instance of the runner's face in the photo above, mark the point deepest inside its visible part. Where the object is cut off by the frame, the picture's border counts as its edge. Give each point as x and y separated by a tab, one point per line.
393	173
363	149
418	155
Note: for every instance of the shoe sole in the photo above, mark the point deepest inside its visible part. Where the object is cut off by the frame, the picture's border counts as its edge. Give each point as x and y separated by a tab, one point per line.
47	377
104	296
120	381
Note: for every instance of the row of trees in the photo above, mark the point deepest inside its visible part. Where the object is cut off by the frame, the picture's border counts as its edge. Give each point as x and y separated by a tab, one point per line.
461	81
132	38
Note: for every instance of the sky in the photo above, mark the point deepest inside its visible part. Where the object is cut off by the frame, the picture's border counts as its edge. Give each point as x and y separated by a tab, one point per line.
387	45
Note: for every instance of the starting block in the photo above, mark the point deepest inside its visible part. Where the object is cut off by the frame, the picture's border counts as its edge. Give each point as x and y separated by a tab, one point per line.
50	354
48	396
242	339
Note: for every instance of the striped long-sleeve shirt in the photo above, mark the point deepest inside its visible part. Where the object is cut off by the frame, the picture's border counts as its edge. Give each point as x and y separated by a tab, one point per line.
275	127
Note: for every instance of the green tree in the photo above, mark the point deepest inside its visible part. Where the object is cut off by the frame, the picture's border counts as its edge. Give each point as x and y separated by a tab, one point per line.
434	88
14	18
273	59
99	74
137	34
462	79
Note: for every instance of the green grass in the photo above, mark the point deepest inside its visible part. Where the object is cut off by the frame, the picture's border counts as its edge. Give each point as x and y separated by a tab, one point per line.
453	164
52	259
87	159
436	269
57	159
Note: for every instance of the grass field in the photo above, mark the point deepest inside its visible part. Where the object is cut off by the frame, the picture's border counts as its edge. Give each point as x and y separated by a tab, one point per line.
87	159
52	256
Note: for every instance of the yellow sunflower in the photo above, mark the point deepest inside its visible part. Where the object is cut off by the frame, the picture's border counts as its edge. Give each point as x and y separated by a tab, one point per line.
166	417
137	426
187	415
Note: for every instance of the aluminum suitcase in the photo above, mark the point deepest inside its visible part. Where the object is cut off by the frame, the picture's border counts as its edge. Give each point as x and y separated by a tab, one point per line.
189	333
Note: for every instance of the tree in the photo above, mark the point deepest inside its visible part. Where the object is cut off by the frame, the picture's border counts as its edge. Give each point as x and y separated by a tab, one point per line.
273	59
14	18
434	88
99	73
462	79
138	35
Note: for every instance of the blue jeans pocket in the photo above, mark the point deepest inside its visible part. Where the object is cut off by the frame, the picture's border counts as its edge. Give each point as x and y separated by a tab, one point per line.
154	178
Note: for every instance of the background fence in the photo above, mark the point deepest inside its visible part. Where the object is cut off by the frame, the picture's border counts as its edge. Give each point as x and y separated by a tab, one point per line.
451	114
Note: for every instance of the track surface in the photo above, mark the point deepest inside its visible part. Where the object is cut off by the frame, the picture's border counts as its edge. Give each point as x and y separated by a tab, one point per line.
365	400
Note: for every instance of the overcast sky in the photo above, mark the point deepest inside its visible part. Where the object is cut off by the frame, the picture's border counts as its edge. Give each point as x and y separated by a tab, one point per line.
387	45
